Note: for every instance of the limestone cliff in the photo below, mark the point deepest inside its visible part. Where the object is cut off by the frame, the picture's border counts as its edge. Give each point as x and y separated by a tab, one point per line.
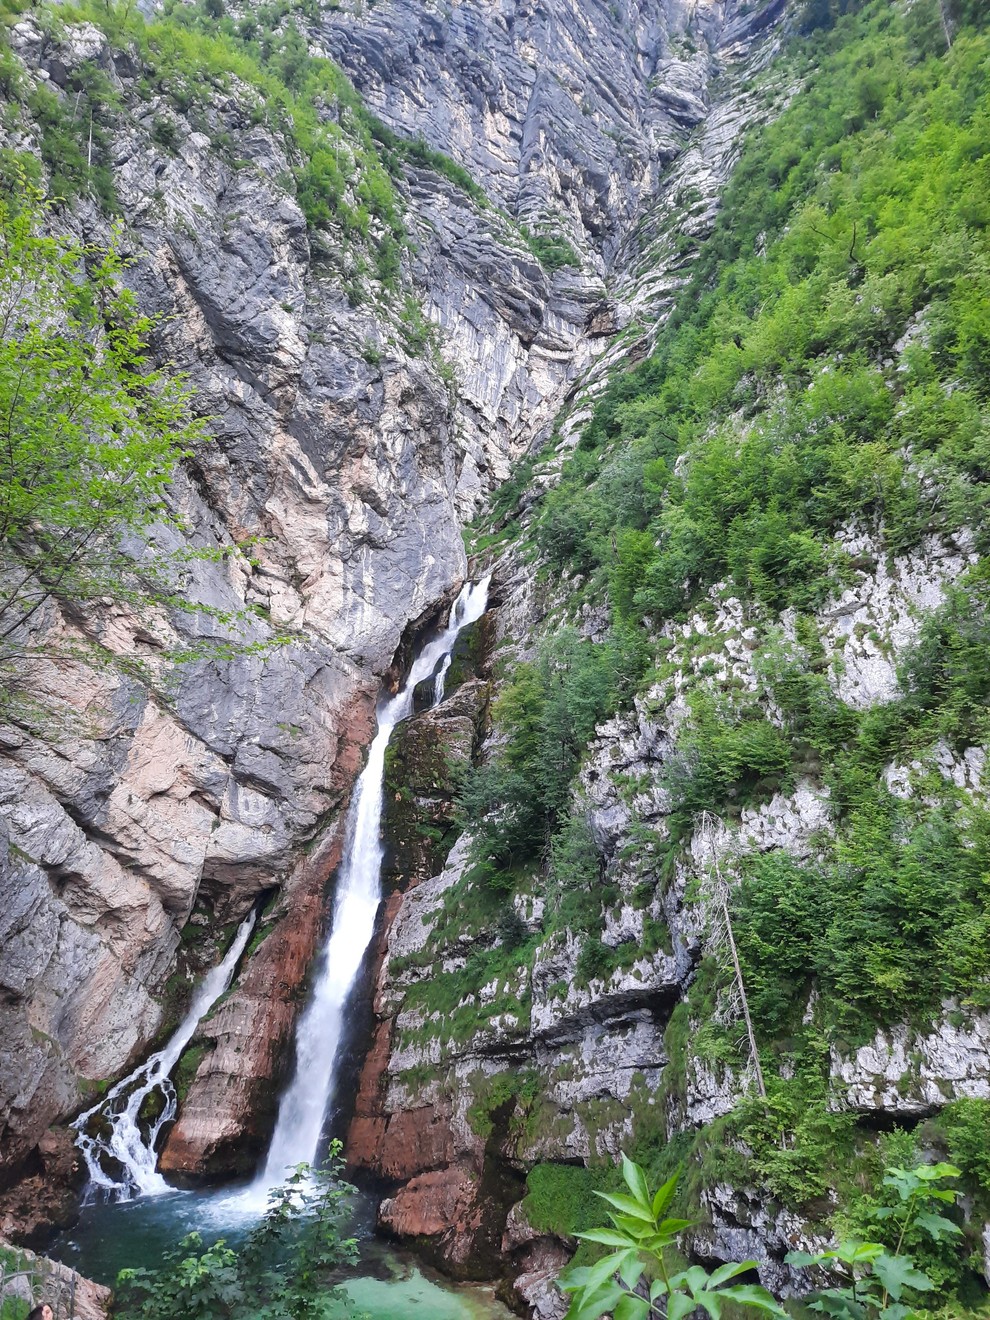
142	800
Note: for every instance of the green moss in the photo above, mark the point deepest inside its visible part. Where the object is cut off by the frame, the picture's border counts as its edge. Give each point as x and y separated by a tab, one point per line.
497	1095
187	1067
560	1198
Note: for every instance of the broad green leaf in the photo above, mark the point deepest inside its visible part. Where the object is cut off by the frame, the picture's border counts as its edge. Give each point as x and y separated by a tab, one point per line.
631	1270
729	1271
631	1308
712	1302
896	1311
696	1278
603	1269
679	1305
635	1180
608	1237
671	1227
637	1229
665	1195
898	1272
753	1294
628	1205
856	1253
839	1304
657	1289
802	1259
937	1226
592	1304
932	1172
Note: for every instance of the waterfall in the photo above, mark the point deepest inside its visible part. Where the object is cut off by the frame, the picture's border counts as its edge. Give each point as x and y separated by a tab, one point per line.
305	1104
118	1139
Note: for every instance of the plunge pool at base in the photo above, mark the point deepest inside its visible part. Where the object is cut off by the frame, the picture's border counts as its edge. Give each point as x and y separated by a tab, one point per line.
387	1284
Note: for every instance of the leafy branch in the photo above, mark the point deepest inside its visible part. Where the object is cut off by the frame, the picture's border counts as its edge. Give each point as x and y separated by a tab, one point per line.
633	1281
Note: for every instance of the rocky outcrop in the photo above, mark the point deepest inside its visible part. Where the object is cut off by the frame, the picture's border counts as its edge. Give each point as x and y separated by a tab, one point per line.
347	444
33	1280
135	796
547	1062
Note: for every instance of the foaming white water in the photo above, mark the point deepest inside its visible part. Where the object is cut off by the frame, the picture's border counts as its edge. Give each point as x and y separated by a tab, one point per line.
305	1103
120	1139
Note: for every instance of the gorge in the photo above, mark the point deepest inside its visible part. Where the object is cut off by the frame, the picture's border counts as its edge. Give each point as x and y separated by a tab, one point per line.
664	323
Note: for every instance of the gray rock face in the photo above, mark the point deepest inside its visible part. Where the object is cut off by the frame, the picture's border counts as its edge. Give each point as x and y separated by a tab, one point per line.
560	110
341	462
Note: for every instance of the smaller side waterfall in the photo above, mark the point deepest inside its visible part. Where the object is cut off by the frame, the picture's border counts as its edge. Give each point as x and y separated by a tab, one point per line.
116	1139
304	1105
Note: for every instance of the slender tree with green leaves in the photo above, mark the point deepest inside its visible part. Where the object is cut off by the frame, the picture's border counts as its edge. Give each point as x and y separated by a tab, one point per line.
90	430
876	1282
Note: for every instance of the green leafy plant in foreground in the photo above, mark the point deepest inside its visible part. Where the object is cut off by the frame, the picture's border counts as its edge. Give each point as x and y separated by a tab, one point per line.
633	1282
872	1281
876	1283
281	1271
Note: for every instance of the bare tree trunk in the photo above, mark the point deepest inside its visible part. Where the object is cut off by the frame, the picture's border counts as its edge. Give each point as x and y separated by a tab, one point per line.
709	822
753	1052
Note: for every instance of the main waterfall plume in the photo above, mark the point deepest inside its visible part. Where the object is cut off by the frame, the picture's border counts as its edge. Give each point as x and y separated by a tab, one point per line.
305	1104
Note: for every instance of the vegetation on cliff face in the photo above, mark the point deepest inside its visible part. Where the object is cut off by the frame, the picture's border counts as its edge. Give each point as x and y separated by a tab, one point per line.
90	431
817	406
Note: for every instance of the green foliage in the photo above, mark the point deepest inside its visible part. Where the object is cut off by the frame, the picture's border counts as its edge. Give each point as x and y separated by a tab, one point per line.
795	1138
547	713
186	1070
75	128
560	1198
340	178
551	250
633	1282
90	432
726	754
965	1128
782	376
497	1096
419	152
887	929
879	1280
279	1272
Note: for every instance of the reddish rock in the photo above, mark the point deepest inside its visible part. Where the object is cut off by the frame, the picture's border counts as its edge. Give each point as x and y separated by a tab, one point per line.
431	1204
227	1114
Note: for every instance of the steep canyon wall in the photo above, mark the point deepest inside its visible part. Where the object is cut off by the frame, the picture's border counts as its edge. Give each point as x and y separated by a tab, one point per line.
146	806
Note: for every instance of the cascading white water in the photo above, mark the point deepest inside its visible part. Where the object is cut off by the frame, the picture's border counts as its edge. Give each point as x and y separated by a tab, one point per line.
304	1105
124	1144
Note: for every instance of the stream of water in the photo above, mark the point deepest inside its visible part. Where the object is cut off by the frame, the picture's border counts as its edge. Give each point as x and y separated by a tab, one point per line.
120	1150
305	1103
131	1215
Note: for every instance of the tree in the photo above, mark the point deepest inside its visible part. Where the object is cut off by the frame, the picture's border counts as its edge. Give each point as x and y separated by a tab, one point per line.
281	1271
90	432
720	936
